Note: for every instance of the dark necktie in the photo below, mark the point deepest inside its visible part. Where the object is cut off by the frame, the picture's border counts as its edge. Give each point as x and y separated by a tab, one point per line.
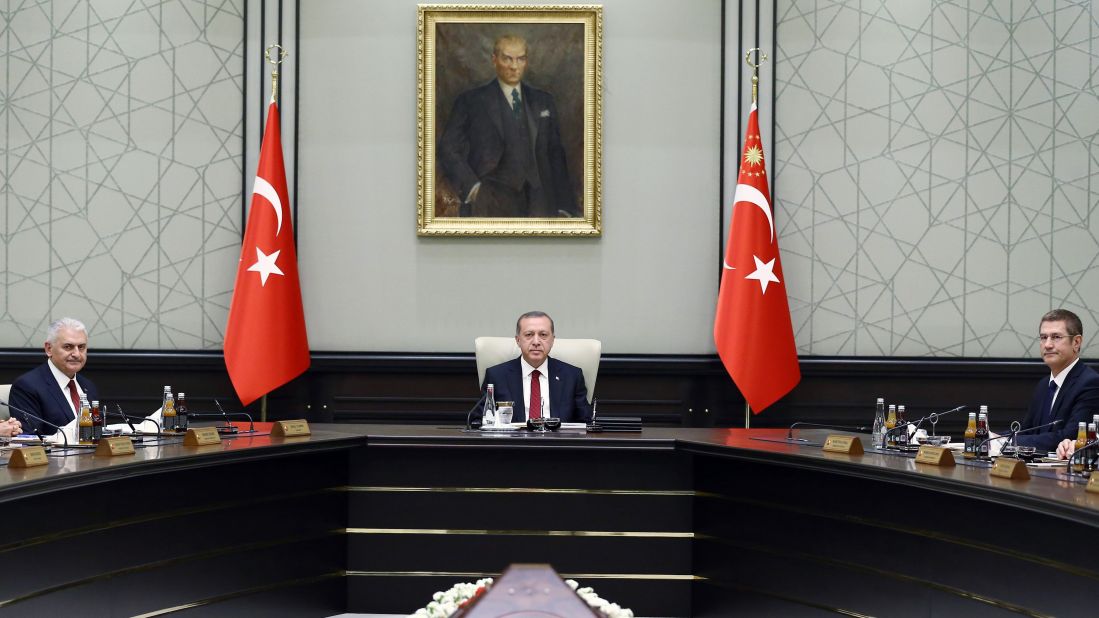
1047	405
535	395
516	104
74	396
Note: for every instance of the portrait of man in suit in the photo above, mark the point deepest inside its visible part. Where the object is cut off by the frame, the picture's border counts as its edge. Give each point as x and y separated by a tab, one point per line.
506	144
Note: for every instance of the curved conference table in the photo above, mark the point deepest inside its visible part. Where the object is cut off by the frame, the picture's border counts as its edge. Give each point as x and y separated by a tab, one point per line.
670	522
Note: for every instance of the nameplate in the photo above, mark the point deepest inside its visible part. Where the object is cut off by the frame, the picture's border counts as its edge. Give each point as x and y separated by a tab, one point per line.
201	436
28	457
1093	484
1010	468
287	429
111	447
850	445
935	456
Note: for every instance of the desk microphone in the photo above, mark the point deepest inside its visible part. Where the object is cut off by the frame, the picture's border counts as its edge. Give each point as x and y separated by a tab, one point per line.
39	419
1011	434
472	423
934	417
223	415
120	414
790	433
159	429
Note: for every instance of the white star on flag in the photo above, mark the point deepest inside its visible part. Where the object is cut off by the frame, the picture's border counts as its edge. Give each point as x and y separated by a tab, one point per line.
764	273
265	266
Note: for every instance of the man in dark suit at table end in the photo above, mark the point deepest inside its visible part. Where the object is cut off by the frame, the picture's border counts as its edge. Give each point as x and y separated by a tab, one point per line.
535	381
52	390
1071	391
501	149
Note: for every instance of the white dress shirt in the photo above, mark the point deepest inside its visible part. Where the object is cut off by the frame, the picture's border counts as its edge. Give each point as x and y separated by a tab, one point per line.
63	383
543	381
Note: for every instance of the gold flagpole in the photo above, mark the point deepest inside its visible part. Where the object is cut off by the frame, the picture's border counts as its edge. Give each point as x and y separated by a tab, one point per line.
280	55
755	95
760	58
274	62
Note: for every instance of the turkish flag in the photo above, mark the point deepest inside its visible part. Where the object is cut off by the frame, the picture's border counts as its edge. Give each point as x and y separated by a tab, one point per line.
752	328
265	341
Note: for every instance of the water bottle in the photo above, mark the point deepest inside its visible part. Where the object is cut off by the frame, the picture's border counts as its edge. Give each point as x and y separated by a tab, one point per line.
489	417
879	425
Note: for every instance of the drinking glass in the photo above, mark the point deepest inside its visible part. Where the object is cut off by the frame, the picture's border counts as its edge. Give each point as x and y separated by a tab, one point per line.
504	412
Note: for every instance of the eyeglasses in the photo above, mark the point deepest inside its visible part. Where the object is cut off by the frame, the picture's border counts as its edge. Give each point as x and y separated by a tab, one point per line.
1055	338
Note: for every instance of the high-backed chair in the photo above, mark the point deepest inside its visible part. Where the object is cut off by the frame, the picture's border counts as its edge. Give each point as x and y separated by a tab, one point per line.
583	353
5	389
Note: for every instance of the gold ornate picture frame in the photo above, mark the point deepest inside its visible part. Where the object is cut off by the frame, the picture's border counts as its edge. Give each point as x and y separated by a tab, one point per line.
524	164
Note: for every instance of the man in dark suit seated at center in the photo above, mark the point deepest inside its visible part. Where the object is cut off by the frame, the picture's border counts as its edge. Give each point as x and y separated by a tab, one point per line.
535	381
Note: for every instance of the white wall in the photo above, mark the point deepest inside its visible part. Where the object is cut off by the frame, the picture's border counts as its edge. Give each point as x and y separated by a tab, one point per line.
647	286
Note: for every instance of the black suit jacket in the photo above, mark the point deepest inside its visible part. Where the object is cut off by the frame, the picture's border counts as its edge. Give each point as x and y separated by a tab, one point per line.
1077	400
472	144
568	395
36	392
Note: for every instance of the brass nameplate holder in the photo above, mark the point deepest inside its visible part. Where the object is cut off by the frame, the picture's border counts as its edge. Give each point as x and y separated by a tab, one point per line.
849	445
1093	484
201	436
110	447
935	456
1010	468
287	429
28	457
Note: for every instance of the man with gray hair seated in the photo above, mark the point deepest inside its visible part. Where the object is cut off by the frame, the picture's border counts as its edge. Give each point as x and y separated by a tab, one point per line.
52	390
534	381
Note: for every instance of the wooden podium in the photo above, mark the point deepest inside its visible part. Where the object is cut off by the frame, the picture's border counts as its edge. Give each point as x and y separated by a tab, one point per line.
528	589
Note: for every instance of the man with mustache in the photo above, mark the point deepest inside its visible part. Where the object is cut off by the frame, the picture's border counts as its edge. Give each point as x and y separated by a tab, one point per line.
545	386
52	390
501	149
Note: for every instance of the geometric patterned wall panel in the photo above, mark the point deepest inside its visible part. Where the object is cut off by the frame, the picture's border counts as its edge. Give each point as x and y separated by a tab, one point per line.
121	169
936	173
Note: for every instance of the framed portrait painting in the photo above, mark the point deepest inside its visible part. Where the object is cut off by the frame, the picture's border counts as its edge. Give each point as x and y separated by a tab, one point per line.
510	120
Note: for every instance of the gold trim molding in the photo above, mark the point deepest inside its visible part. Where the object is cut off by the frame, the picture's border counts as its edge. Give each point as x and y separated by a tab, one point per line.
575	533
590	93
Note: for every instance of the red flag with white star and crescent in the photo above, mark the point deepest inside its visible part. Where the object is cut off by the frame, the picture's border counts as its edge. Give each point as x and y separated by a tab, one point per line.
752	327
265	340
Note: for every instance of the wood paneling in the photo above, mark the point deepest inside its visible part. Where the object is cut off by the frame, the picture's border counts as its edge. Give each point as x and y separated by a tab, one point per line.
692	391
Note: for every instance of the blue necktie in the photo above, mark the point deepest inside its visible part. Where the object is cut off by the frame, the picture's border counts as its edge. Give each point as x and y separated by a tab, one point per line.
516	104
1047	405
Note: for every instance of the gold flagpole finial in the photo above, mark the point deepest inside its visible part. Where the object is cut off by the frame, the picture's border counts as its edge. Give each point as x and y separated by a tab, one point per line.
275	62
760	58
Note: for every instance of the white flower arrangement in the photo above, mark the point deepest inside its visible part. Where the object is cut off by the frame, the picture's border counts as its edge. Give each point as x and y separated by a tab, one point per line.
444	604
603	606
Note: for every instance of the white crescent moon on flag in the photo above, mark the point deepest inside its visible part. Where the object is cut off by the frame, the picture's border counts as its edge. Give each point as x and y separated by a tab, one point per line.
264	189
748	193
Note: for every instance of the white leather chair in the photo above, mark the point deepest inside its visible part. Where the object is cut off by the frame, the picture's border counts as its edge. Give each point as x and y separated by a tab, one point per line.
583	353
5	389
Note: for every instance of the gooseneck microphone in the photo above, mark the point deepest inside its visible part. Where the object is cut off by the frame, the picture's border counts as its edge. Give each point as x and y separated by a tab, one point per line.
472	423
39	419
144	419
790	432
122	415
1013	433
934	417
223	415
